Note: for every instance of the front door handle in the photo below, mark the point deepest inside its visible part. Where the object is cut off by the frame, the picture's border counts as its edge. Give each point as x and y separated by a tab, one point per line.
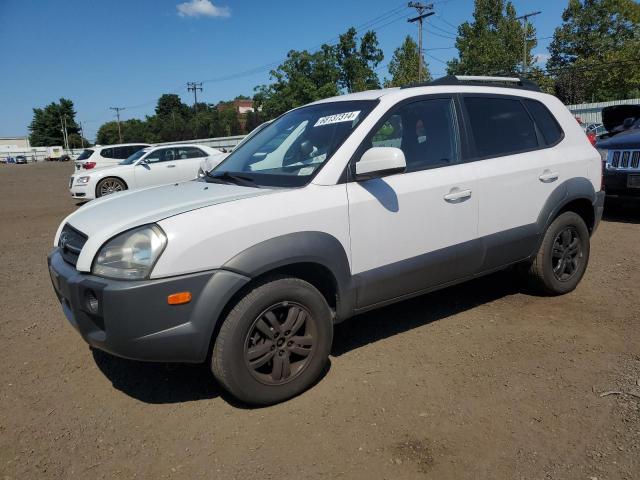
456	195
548	176
171	166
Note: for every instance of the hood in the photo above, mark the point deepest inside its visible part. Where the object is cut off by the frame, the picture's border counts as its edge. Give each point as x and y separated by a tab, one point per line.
615	115
627	140
103	218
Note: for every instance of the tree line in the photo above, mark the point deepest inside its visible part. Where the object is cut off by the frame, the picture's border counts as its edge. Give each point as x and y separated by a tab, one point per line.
594	56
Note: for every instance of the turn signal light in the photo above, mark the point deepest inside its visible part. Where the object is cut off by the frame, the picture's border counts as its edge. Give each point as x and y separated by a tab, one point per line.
179	298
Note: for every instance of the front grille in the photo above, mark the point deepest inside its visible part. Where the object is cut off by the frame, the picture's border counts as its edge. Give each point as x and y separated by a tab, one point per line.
71	242
71	182
624	159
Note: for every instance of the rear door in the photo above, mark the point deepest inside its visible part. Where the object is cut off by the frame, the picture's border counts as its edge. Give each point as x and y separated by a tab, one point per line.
415	230
517	172
158	168
189	160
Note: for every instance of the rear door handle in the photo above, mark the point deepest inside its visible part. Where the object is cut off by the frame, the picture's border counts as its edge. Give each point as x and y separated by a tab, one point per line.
171	166
456	195
548	176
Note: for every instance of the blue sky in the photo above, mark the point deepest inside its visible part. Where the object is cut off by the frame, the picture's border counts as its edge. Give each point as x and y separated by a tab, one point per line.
128	52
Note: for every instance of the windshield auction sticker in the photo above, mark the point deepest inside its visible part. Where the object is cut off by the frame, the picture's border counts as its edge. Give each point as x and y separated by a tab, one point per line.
337	118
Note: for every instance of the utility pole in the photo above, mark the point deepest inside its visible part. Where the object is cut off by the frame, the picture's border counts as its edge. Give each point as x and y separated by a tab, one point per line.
117	110
81	135
194	87
424	11
525	19
63	129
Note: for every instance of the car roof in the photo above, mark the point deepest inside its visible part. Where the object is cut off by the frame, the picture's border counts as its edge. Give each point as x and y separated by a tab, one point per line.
449	84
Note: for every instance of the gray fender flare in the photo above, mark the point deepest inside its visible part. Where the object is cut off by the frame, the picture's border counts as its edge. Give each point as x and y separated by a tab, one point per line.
578	188
299	247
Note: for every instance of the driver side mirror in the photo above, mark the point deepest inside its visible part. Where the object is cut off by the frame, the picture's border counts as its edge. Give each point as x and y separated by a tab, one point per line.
380	161
628	122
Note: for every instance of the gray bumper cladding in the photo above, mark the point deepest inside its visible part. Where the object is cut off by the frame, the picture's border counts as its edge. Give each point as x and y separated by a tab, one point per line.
133	318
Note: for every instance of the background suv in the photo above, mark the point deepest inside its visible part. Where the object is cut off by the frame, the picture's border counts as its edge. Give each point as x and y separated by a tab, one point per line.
106	156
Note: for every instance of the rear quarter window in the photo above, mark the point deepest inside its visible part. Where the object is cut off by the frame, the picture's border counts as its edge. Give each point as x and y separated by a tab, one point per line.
547	124
106	153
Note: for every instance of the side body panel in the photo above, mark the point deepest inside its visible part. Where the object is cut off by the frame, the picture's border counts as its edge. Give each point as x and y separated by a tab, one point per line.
210	237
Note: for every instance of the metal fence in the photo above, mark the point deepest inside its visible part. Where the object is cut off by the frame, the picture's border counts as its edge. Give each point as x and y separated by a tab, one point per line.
592	112
39	154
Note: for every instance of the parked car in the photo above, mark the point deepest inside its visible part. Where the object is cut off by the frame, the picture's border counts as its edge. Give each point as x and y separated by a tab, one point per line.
21	159
251	269
621	158
106	156
148	167
620	118
209	163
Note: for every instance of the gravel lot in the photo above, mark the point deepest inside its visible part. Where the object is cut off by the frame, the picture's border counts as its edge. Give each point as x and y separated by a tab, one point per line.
477	381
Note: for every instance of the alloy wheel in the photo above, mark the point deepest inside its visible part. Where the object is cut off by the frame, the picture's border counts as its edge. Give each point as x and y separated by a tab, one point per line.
566	254
280	343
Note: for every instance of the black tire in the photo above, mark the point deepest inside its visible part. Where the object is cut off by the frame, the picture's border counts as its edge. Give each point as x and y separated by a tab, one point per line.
562	257
109	185
274	343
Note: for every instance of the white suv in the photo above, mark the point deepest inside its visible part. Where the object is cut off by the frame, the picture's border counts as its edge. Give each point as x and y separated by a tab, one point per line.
335	208
100	156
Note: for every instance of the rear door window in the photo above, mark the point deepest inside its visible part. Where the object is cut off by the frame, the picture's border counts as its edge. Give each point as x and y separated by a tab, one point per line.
500	126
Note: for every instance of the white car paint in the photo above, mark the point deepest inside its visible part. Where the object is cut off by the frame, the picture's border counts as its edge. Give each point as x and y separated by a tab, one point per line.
154	167
503	193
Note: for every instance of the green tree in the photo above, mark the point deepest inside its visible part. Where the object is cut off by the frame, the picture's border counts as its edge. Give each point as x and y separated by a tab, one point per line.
302	78
595	52
404	65
46	125
493	43
133	130
357	63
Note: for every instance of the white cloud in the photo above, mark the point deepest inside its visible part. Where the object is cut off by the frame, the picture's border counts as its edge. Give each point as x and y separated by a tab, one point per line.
202	8
541	57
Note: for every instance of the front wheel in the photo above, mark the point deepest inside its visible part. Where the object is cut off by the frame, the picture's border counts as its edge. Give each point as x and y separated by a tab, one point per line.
274	343
562	257
107	186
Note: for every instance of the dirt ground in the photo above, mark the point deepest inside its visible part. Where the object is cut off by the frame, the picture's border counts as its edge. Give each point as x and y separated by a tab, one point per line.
477	381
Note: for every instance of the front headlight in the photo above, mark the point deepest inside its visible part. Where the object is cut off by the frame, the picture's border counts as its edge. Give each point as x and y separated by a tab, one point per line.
131	255
82	180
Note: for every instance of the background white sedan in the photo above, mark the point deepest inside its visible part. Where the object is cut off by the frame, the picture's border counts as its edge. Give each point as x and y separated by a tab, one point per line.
148	167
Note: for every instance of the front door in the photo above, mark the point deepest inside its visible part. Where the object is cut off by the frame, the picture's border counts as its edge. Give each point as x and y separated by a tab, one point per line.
415	230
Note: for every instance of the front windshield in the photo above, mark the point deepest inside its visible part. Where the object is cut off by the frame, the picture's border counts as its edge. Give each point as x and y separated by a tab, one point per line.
289	151
132	158
85	154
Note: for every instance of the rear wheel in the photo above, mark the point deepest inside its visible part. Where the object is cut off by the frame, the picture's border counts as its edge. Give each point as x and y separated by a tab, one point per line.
274	343
110	185
563	255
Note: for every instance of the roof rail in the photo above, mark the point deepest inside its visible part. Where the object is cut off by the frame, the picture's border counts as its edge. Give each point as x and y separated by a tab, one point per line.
480	80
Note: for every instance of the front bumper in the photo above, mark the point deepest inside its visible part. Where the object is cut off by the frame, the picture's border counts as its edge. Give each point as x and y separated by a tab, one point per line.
618	183
133	319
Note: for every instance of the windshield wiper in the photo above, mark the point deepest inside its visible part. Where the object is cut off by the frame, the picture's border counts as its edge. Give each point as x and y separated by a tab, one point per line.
228	177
